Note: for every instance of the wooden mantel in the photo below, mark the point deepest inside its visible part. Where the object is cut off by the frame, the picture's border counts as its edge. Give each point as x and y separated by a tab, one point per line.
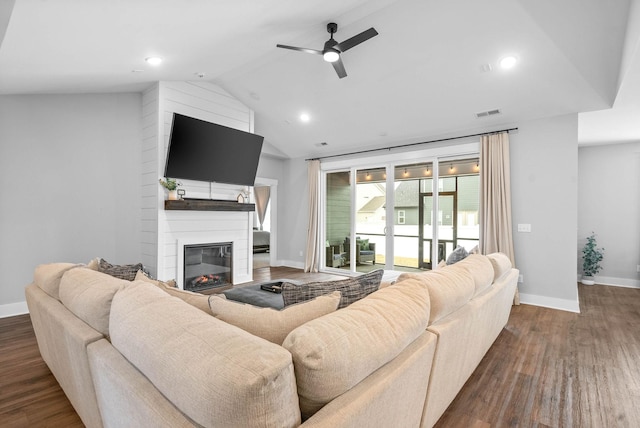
207	205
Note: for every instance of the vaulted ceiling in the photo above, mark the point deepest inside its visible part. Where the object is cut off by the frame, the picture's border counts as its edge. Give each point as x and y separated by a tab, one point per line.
431	69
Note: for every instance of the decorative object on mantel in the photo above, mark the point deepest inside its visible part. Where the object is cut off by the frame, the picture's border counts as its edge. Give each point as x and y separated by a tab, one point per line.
244	197
181	193
172	186
591	258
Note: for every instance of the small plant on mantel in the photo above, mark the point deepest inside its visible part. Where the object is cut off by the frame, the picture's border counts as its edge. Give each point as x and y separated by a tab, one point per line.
591	258
172	186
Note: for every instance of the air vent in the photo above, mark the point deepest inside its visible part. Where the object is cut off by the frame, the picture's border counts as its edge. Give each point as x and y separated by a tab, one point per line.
487	113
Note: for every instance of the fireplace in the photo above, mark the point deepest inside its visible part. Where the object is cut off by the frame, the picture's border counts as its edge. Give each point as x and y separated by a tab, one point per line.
207	266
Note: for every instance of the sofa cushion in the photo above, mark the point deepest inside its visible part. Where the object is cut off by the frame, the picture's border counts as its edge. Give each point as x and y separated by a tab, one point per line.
449	288
127	272
198	300
352	289
333	353
480	269
268	323
88	294
215	373
47	277
501	264
142	276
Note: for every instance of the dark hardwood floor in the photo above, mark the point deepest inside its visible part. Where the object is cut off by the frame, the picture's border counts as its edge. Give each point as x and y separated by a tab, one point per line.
547	368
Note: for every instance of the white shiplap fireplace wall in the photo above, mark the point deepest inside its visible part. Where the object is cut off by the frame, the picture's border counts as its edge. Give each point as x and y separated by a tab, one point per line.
163	230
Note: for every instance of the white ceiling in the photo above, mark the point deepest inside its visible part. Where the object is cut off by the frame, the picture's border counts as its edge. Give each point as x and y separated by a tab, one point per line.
420	78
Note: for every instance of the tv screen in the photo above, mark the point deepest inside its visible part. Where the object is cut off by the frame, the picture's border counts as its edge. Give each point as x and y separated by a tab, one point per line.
205	151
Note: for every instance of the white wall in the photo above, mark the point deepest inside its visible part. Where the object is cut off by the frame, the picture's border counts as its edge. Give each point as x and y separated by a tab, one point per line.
609	205
544	170
70	169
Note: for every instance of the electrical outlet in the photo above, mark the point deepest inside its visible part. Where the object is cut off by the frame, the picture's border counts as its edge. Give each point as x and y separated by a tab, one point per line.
300	253
520	278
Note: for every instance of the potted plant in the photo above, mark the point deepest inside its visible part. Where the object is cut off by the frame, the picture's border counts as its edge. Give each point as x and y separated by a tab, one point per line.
591	258
172	186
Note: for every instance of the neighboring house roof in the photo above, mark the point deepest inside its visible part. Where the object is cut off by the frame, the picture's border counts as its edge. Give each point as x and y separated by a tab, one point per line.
373	205
407	194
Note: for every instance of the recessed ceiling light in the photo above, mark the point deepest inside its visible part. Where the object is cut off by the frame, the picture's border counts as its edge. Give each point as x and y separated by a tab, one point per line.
154	60
508	62
304	117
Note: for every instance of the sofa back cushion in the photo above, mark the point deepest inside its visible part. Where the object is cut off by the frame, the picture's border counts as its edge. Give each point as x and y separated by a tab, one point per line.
198	300
450	288
333	353
47	277
215	373
271	324
88	294
501	264
479	267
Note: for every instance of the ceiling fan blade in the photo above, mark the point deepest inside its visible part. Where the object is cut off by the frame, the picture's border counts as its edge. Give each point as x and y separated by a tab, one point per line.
356	40
293	48
338	66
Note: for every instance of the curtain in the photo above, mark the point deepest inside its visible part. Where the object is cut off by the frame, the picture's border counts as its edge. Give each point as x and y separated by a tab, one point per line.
313	179
495	198
261	194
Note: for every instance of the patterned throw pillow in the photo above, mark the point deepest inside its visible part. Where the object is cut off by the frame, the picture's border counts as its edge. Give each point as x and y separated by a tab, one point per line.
458	254
351	289
127	272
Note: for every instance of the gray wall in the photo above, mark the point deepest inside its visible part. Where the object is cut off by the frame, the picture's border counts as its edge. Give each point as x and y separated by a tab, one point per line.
70	168
609	205
544	168
544	190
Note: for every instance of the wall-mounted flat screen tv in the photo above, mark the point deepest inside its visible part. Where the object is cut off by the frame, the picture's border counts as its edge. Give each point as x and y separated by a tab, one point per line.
205	151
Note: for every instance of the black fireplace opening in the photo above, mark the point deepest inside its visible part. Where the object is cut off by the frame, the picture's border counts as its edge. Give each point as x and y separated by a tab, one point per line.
207	266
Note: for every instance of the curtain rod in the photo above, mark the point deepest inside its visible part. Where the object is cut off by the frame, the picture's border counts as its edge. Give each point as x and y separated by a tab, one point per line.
413	144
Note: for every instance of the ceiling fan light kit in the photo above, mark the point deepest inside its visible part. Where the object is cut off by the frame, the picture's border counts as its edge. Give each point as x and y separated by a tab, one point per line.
333	49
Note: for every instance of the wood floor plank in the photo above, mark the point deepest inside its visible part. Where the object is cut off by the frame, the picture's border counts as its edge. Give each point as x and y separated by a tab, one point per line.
547	368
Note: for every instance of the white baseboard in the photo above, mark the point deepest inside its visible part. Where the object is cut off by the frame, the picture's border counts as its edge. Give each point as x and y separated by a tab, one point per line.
291	263
617	282
13	309
550	302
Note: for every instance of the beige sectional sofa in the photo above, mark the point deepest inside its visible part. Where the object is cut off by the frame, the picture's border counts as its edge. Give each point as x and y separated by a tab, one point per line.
131	354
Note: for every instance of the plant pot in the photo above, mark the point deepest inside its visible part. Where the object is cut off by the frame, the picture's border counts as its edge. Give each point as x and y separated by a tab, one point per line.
587	280
173	195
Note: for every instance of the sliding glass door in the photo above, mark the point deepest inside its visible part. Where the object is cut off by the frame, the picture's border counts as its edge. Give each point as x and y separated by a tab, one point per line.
411	221
370	220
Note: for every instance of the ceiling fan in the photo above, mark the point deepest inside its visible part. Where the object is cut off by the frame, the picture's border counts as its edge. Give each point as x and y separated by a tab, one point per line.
333	49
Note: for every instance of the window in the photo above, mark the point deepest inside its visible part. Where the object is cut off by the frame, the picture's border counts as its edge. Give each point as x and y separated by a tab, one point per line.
401	216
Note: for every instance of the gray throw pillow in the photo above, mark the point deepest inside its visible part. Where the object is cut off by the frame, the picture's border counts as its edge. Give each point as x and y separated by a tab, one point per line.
351	289
458	254
127	272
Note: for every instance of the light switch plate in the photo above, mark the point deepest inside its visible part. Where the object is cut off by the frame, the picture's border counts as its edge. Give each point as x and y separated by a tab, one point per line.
524	228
